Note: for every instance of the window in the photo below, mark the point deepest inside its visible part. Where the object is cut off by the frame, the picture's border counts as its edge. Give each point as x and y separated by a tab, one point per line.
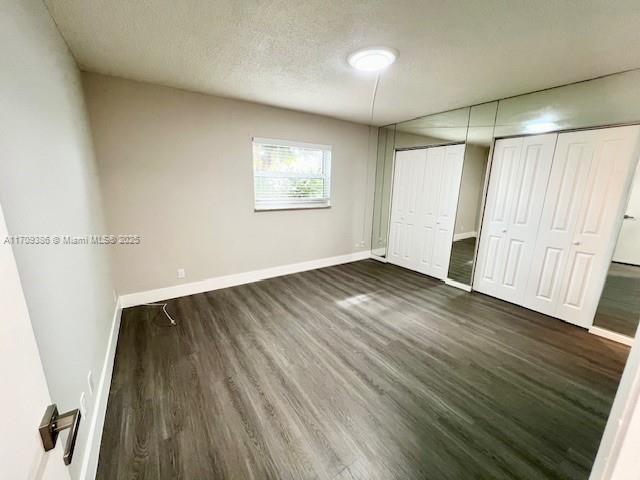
290	174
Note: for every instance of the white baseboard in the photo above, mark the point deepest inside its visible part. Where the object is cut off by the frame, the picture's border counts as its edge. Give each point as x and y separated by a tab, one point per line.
379	258
461	286
92	450
463	235
616	337
215	283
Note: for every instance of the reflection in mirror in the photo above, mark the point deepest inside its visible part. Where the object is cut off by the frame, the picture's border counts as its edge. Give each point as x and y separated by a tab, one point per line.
606	101
474	170
438	129
609	100
382	194
619	307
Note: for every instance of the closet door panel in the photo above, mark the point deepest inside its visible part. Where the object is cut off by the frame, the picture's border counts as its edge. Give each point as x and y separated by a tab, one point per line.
591	171
427	241
514	205
397	228
407	188
531	183
447	205
431	187
598	220
425	198
494	226
551	268
571	166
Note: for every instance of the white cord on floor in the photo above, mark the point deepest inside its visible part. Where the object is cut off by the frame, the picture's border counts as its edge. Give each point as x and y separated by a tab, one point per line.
164	309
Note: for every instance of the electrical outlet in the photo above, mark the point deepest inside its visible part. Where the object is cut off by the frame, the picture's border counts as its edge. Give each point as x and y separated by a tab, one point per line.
83	405
181	273
90	382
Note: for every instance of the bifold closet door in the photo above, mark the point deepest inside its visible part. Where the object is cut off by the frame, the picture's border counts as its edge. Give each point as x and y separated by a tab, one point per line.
437	216
584	203
515	197
408	180
426	185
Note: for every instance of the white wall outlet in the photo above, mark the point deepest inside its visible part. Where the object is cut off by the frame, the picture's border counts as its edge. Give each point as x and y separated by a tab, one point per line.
90	382
181	273
83	405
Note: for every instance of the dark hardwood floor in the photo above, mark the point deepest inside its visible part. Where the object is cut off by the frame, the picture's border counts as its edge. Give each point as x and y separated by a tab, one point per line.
619	307
461	261
359	371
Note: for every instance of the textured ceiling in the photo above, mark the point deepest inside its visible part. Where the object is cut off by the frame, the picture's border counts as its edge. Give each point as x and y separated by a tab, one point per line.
292	53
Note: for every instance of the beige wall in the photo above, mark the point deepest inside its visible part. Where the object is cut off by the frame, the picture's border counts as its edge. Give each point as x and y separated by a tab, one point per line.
176	168
49	186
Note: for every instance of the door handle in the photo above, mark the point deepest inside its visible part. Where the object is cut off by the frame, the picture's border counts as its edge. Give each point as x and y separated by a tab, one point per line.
629	217
53	423
576	242
504	230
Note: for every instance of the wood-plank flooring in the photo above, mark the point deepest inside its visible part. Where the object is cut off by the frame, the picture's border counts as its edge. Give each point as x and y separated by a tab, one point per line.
619	307
359	371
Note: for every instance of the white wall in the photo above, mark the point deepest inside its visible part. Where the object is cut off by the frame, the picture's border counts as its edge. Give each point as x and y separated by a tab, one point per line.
475	165
176	168
617	457
24	389
49	185
628	464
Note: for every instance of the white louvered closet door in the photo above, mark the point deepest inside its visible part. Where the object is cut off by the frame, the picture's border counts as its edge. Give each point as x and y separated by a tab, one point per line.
517	185
584	204
407	193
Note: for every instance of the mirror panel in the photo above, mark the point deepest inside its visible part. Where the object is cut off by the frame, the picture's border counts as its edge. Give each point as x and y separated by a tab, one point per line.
382	193
431	130
611	100
470	201
605	101
619	307
439	129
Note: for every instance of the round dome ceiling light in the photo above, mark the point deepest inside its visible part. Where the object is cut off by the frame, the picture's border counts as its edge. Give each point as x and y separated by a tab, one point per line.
372	59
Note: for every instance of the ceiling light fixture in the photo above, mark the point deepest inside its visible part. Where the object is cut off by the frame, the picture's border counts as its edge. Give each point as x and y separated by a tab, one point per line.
541	127
372	59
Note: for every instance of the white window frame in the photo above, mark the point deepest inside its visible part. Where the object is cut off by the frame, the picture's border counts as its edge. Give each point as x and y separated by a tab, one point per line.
300	204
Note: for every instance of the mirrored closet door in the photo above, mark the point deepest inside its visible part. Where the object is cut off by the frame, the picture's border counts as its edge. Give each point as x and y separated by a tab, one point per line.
425	196
519	176
619	306
551	220
572	268
479	141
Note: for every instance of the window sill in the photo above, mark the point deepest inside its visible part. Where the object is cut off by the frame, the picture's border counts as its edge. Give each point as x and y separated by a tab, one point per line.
292	207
